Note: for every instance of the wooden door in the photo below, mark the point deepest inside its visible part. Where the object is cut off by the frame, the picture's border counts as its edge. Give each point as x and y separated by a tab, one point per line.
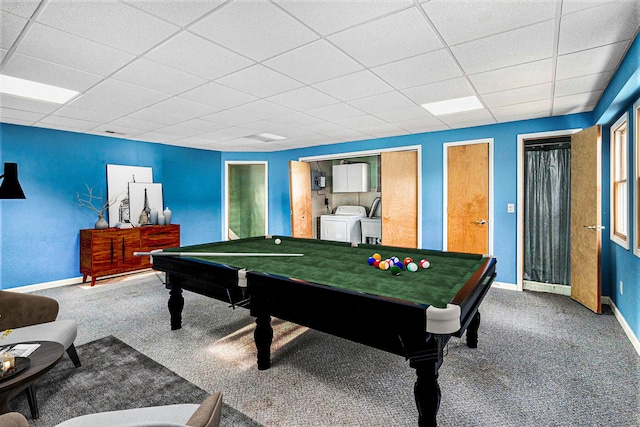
586	285
468	198
300	196
399	185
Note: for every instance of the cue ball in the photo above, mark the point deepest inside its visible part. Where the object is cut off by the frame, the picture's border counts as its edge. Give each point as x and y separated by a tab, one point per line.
425	264
412	267
278	241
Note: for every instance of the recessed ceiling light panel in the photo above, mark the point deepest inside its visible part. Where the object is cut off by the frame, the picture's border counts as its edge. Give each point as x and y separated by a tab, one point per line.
266	137
450	106
34	90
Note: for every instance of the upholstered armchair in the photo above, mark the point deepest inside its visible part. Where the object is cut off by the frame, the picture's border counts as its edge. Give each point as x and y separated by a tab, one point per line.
33	318
206	414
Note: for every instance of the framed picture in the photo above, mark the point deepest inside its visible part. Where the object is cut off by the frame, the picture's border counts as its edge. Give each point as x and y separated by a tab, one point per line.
138	191
118	179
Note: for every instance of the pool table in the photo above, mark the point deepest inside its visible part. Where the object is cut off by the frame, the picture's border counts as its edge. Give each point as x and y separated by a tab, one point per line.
330	286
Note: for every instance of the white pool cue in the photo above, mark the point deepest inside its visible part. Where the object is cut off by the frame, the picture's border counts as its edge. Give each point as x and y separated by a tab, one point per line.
199	254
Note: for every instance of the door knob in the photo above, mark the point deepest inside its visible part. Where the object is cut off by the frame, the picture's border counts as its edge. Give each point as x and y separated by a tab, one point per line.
480	221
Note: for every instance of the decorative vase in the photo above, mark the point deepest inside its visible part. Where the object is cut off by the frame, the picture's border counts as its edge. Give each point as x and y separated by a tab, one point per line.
167	215
153	216
101	224
161	219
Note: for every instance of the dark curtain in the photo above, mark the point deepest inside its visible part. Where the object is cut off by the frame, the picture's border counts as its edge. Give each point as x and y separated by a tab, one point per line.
547	215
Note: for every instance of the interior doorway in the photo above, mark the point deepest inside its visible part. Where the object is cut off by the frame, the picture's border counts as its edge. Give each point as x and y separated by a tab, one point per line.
527	280
246	200
547	212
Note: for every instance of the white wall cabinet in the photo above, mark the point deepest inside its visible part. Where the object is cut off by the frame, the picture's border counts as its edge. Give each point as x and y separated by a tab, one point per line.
351	178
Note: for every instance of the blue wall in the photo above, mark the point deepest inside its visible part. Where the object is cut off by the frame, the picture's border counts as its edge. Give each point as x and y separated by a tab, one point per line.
39	241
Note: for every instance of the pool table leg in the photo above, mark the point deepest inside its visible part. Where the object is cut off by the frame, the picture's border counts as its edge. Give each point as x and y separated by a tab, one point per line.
472	331
263	336
427	392
176	304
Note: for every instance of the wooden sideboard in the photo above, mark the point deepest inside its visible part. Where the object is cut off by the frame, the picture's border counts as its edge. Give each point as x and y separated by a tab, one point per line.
110	251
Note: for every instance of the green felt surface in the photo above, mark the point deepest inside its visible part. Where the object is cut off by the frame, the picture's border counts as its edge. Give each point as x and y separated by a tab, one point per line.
340	265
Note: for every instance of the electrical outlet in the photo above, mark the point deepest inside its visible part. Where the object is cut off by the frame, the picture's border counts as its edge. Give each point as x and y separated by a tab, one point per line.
621	288
511	208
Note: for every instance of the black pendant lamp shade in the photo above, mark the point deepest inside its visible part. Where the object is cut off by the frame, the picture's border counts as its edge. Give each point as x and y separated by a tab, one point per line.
10	188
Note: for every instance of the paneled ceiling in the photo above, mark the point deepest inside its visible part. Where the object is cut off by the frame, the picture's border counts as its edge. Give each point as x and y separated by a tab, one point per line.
212	74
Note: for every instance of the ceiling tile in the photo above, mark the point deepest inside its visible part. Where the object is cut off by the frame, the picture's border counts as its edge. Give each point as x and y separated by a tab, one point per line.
67	123
10	29
568	102
523	45
405	114
180	13
263	126
335	112
302	99
17	103
518	96
158	77
382	102
572	6
513	77
230	118
419	126
3	53
227	134
101	104
110	23
195	55
179	131
598	26
202	125
29	68
475	116
86	114
517	111
296	119
122	92
218	96
387	39
133	123
260	81
24	8
419	70
258	30
158	116
314	62
440	91
592	61
24	116
71	51
593	82
331	16
185	107
459	22
262	109
353	86
360	122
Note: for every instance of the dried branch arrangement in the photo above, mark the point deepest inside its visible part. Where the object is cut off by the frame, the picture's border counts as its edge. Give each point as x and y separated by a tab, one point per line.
88	201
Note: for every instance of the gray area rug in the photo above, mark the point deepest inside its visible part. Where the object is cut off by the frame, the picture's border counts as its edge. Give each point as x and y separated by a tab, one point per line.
113	376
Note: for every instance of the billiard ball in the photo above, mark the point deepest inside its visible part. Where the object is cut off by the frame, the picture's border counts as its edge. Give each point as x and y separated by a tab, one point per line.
277	241
395	270
412	267
399	265
383	265
424	263
371	260
407	260
376	263
377	256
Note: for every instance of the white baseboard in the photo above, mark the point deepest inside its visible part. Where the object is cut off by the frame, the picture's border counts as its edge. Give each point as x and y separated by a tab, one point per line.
546	287
635	342
503	285
72	281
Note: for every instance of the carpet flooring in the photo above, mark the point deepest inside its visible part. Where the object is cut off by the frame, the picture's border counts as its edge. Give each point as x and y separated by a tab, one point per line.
542	360
113	376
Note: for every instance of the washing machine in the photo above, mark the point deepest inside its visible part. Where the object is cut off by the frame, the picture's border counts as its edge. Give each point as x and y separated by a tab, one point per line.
344	225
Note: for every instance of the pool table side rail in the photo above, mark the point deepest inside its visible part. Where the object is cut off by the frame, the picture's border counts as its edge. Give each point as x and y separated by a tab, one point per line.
473	292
